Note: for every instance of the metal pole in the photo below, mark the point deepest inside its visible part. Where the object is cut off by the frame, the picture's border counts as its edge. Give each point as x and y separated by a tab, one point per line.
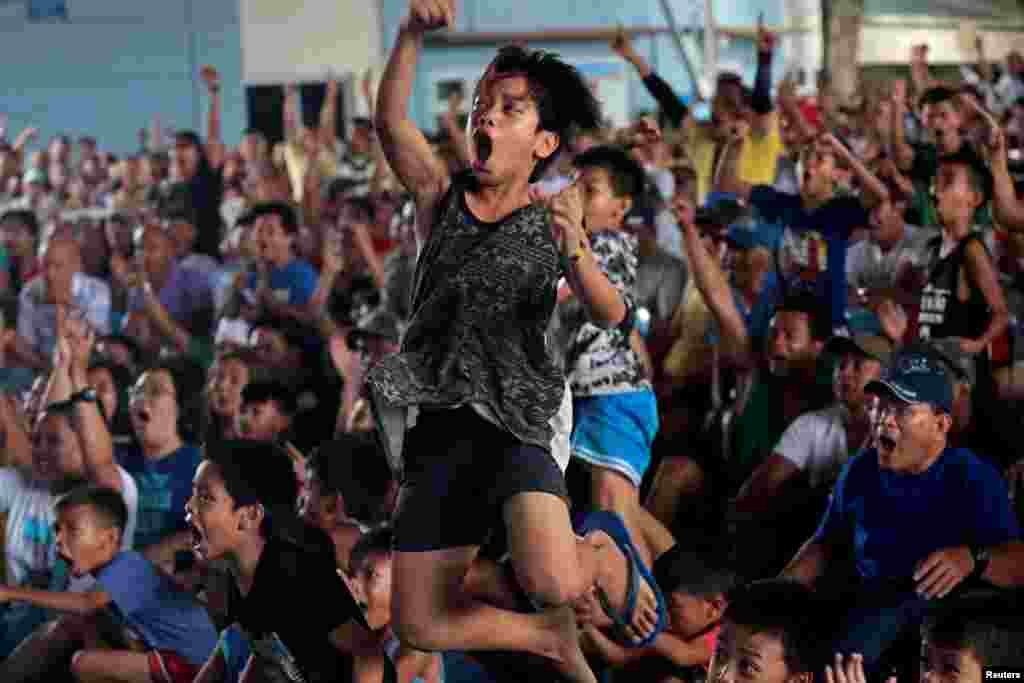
666	8
192	68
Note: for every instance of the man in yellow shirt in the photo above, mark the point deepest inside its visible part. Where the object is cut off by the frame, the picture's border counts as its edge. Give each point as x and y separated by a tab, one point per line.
734	109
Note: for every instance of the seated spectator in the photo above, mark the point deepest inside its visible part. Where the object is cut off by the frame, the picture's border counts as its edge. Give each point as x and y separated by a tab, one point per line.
226	379
180	225
370	568
772	630
68	447
186	295
782	386
785	495
696	586
61	284
910	543
268	408
961	642
18	233
132	599
241	509
111	383
164	415
891	257
285	284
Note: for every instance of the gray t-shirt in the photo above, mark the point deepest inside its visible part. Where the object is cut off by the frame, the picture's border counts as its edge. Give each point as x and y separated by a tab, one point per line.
868	267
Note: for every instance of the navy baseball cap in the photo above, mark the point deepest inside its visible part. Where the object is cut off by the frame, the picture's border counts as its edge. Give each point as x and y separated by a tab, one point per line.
916	378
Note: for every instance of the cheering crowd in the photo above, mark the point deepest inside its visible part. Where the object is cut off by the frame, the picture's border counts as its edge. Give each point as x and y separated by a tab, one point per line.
526	398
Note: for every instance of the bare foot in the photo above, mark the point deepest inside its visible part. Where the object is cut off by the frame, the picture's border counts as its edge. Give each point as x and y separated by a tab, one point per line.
612	577
566	654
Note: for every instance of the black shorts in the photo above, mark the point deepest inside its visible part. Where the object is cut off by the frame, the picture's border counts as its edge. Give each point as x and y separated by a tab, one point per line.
460	469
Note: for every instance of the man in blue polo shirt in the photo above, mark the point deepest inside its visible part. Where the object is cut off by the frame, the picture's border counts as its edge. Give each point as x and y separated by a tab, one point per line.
920	516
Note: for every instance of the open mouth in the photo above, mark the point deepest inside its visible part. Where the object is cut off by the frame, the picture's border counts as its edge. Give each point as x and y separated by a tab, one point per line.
886	442
483	146
143	416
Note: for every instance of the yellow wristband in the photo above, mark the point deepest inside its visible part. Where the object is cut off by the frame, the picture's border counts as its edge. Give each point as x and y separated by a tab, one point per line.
578	254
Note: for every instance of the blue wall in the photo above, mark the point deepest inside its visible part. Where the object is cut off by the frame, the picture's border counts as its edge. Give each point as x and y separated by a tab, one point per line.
534	15
117	63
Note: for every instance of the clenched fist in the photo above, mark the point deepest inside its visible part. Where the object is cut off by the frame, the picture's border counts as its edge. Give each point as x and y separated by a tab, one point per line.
430	15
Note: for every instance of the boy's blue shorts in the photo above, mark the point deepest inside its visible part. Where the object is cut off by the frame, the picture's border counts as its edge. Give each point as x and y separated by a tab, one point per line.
615	431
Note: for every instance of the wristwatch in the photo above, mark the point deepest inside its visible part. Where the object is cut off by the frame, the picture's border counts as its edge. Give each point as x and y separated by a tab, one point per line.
87	395
981	555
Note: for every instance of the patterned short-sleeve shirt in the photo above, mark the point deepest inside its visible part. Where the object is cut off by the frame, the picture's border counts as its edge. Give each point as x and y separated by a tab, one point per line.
601	361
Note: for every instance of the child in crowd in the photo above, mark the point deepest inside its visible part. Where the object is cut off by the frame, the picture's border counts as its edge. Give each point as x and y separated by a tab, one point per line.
614	408
160	633
348	486
958	644
771	633
370	567
267	411
695	585
287	595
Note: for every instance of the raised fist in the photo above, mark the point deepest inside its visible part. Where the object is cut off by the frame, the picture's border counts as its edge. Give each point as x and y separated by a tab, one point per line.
430	15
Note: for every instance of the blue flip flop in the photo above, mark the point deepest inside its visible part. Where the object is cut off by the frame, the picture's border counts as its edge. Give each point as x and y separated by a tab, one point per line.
612	524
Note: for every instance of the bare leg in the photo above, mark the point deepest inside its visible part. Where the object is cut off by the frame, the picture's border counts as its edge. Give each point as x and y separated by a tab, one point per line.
431	611
110	666
677	477
541	538
615	492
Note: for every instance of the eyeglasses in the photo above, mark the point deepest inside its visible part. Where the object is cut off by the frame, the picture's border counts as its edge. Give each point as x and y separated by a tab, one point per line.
148	391
886	408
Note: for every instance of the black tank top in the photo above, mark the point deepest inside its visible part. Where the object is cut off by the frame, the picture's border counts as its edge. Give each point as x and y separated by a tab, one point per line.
942	313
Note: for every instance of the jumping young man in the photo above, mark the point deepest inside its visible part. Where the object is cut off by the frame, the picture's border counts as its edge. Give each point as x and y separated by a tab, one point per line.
477	376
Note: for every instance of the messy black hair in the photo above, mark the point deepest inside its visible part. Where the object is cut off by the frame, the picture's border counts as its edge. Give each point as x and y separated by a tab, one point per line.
627	176
993	635
978	173
787	610
565	103
376	541
700	573
818	311
289	219
106	504
353	466
267	390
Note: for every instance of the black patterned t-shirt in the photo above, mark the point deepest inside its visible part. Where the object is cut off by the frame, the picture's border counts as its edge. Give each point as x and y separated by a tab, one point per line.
483	297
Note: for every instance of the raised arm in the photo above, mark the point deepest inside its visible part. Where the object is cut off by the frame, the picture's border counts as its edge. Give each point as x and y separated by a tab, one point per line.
727	174
1007	208
903	154
97	444
868	180
214	145
919	69
603	303
710	280
405	147
329	114
662	92
292	113
761	99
